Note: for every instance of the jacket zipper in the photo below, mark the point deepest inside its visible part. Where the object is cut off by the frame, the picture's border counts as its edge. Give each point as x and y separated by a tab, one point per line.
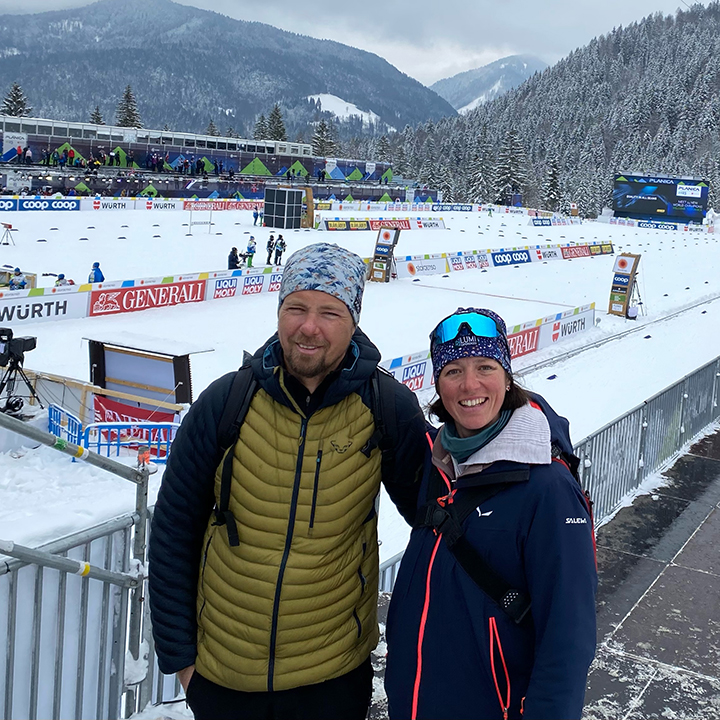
286	553
495	637
315	487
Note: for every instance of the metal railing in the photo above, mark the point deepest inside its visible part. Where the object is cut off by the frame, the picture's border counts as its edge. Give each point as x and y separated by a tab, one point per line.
616	459
65	652
112	438
64	424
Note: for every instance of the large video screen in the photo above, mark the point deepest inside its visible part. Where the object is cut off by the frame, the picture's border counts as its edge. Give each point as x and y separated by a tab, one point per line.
672	198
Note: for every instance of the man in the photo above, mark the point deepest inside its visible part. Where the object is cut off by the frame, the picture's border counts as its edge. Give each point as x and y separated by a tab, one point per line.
96	274
269	609
233	259
251	249
270	247
18	281
280	247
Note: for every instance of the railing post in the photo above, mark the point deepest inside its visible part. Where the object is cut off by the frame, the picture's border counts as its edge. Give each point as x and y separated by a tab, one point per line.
137	596
639	474
681	427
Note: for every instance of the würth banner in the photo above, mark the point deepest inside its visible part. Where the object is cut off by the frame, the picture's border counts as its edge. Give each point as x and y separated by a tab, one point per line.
131	299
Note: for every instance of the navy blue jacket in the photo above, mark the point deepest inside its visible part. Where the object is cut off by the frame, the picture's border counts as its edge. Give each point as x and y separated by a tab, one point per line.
537	534
186	497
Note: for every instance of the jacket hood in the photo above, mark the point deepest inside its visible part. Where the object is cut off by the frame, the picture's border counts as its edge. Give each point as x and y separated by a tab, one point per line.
559	426
360	362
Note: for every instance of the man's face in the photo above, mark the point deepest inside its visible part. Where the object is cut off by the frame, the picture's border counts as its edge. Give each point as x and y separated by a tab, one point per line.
315	331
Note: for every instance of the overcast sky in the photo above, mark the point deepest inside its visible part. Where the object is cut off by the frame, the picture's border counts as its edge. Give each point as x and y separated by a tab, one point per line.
431	41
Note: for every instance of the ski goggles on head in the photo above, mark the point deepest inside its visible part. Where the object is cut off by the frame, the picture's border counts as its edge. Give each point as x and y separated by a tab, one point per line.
478	324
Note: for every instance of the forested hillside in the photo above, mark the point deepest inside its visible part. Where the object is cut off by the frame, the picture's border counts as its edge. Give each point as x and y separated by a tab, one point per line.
644	98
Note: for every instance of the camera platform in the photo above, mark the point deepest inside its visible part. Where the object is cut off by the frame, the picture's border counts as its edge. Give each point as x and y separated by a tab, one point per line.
12	356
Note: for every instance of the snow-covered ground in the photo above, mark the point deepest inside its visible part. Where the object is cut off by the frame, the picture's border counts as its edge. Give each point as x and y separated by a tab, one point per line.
343	109
46	496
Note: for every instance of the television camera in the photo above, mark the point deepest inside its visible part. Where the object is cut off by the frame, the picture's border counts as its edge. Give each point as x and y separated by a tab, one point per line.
12	356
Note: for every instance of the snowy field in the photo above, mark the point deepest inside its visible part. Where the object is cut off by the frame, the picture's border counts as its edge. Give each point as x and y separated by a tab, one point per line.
46	496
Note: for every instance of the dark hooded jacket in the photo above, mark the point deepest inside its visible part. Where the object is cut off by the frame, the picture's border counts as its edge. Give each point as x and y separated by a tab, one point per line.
295	603
537	534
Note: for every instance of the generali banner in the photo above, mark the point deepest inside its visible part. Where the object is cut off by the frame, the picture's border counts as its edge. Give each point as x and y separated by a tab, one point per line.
113	301
415	370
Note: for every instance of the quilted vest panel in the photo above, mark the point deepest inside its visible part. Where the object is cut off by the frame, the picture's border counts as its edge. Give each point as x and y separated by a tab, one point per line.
296	602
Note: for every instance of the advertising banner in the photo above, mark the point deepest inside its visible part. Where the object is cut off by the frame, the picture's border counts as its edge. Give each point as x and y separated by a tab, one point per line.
11	140
201	205
451	207
655	225
159	204
20	306
233	283
469	261
131	299
548	253
429	224
48	204
395	223
542	222
106	203
112	410
410	267
8	204
574	251
511	257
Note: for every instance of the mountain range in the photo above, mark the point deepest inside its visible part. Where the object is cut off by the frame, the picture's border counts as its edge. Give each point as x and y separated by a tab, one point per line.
187	66
467	90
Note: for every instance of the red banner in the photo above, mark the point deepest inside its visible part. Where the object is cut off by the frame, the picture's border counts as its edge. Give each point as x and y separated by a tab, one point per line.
131	299
222	204
575	251
398	224
524	342
109	410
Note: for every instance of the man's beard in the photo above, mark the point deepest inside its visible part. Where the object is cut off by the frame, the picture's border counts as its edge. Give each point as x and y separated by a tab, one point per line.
303	366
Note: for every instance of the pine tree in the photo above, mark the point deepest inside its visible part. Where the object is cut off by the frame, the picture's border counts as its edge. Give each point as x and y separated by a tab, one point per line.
166	128
550	193
231	132
323	142
15	103
261	129
510	170
126	114
211	129
275	125
382	149
96	117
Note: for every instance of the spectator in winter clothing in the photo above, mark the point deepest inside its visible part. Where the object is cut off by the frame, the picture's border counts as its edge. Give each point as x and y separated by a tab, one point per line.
256	214
279	249
18	281
61	280
268	608
251	248
504	457
96	275
270	247
233	259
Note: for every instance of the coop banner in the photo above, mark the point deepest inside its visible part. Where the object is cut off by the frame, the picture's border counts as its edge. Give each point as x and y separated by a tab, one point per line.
415	370
44	203
415	266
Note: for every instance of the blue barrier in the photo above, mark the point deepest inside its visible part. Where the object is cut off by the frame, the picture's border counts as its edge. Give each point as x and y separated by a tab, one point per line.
112	438
64	424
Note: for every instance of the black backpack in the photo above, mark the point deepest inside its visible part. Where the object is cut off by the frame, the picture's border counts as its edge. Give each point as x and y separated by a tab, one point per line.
242	390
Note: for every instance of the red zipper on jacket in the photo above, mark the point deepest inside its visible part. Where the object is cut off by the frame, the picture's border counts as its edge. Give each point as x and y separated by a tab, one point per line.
494	636
426	603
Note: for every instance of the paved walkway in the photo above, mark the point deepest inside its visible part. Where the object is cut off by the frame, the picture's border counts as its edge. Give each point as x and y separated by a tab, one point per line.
658	602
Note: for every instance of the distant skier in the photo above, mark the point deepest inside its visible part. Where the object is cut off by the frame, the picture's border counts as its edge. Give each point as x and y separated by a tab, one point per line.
256	215
96	274
18	281
270	247
251	248
280	247
489	211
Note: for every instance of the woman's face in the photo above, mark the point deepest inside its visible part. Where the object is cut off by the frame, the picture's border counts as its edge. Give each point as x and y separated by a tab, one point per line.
472	390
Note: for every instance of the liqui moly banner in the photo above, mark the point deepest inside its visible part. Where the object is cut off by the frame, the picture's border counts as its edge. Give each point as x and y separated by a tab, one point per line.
415	370
113	301
235	283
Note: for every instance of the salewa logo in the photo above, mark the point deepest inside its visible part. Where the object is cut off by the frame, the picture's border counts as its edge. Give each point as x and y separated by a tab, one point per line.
340	448
483	514
576	521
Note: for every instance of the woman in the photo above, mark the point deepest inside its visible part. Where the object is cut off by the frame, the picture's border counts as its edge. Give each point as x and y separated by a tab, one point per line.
493	611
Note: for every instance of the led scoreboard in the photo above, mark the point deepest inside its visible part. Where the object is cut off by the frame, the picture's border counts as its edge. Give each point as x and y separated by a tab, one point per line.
649	196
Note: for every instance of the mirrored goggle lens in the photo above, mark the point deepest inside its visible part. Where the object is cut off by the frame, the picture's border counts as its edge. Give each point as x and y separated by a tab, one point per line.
480	326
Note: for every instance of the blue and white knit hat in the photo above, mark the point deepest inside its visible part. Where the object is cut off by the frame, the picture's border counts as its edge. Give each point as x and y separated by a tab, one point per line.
466	344
329	269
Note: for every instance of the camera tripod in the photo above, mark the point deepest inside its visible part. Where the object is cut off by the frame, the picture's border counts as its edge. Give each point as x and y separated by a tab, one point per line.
14	403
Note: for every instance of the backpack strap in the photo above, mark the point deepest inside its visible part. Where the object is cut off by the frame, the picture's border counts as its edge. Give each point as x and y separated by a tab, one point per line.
382	406
446	515
244	386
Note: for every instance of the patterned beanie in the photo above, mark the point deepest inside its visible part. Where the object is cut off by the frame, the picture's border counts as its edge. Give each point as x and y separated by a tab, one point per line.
329	269
466	344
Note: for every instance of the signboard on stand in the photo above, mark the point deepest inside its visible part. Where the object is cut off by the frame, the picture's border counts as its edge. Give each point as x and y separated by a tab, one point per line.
621	291
381	264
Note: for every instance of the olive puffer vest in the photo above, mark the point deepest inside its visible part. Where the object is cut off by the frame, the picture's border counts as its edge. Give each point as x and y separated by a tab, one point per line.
296	602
